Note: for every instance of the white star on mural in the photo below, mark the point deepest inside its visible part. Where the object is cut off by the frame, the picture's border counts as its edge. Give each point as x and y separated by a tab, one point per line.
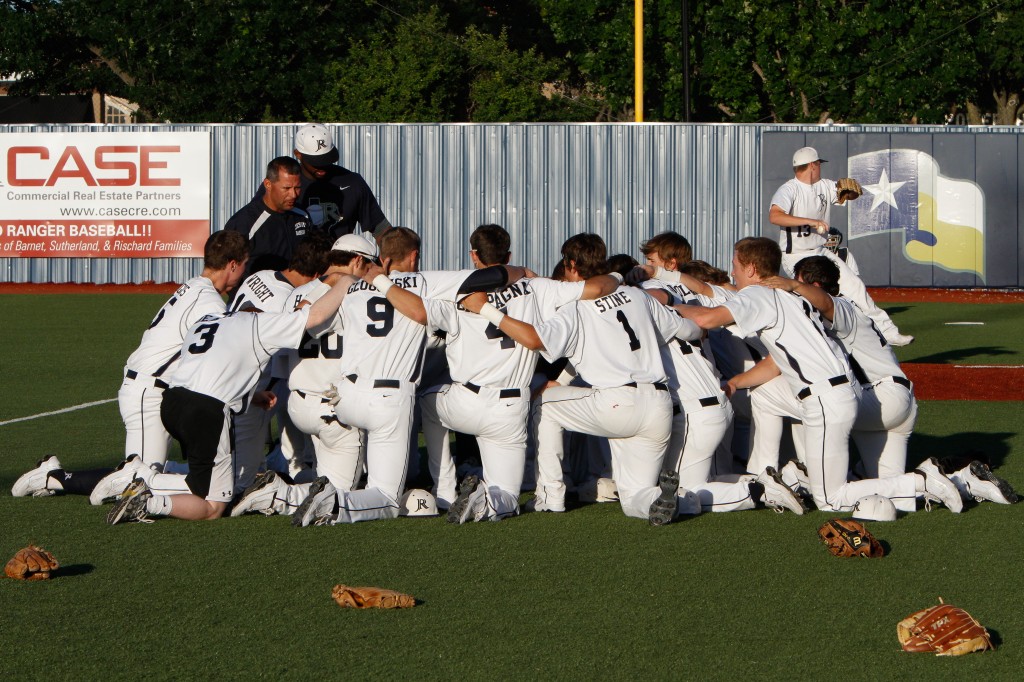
884	191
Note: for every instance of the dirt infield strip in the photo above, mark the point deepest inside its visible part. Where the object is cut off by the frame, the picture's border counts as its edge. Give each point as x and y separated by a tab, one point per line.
931	381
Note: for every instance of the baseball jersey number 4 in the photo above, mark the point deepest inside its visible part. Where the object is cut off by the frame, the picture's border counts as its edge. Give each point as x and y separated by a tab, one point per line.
493	332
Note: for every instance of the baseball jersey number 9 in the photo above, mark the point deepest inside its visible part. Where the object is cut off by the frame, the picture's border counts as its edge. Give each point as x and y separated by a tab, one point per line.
382	314
634	343
206	332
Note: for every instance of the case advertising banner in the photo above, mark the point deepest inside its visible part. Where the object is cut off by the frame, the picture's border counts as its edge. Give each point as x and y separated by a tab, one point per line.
104	195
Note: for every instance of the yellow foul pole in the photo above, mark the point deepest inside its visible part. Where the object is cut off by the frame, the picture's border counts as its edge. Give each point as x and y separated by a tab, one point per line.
638	58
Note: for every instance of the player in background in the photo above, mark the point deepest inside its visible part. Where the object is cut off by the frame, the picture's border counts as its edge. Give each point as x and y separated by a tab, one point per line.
145	378
887	409
612	342
271	221
489	395
819	377
702	413
385	341
222	359
801	208
313	374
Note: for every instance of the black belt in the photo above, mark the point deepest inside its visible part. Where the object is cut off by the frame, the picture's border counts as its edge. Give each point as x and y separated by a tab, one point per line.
159	383
902	381
658	385
708	402
378	383
835	381
502	394
303	395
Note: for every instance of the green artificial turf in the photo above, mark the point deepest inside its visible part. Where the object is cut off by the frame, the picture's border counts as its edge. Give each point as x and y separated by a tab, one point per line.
589	594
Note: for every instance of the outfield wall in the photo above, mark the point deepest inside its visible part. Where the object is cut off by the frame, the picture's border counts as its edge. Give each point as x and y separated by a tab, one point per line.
943	210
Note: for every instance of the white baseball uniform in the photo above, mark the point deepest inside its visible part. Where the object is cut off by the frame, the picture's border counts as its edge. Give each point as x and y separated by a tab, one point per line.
223	357
379	372
271	292
815	201
313	373
147	369
887	411
819	378
613	342
701	415
489	396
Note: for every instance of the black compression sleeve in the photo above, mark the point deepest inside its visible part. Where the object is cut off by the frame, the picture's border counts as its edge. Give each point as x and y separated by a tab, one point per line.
488	279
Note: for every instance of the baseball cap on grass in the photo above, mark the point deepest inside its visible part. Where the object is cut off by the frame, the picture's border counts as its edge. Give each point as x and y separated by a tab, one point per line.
353	243
806	155
316	145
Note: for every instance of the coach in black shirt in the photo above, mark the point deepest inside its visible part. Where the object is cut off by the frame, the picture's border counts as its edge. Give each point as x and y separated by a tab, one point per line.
271	222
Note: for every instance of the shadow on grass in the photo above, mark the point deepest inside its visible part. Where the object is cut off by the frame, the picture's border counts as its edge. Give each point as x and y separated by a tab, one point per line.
960	448
73	570
953	355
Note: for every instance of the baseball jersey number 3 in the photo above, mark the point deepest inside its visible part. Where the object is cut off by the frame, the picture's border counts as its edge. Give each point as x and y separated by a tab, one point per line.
206	332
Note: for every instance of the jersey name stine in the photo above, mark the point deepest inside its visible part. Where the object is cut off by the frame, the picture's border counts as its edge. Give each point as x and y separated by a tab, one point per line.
612	301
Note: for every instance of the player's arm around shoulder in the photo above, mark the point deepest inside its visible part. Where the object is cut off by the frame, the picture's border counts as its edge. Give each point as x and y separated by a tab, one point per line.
523	333
404	301
327	305
671	324
706	318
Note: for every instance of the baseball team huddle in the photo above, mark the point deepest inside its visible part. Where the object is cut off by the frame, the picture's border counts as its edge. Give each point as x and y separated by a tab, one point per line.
659	385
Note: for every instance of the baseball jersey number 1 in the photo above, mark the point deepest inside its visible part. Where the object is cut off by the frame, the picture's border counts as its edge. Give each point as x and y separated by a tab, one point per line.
634	343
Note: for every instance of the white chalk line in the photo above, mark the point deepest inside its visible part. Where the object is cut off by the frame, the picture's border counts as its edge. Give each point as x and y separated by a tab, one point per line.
50	414
989	366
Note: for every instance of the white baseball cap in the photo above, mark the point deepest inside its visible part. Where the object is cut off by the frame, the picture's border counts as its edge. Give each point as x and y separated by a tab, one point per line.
354	243
874	508
806	155
417	502
316	145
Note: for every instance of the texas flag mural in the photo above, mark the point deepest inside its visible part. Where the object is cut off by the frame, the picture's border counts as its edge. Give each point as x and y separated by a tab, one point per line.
942	219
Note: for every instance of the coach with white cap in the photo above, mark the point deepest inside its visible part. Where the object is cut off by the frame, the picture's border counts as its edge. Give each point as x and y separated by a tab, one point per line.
336	198
801	208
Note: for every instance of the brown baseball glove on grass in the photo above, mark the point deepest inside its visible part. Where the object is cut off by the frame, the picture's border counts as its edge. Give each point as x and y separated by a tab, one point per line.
31	563
371	598
943	629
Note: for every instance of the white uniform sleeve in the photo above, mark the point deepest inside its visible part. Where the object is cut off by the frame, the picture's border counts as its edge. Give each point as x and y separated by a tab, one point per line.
753	309
552	295
441	316
669	324
275	331
844	318
560	333
784	197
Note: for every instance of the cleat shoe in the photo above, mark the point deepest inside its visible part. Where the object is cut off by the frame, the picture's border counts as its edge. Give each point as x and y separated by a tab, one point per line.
666	505
319	503
795	476
471	502
132	504
113	484
937	488
777	494
981	484
34	482
898	339
261	496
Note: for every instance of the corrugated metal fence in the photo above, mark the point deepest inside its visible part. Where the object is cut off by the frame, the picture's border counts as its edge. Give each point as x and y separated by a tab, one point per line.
544	182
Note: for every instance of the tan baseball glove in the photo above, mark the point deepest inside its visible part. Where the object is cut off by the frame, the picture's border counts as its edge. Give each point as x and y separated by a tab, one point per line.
31	563
944	629
846	537
371	598
847	189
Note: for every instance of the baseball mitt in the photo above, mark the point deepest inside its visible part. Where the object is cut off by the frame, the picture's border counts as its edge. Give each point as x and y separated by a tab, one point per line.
846	537
944	629
371	598
31	563
847	189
